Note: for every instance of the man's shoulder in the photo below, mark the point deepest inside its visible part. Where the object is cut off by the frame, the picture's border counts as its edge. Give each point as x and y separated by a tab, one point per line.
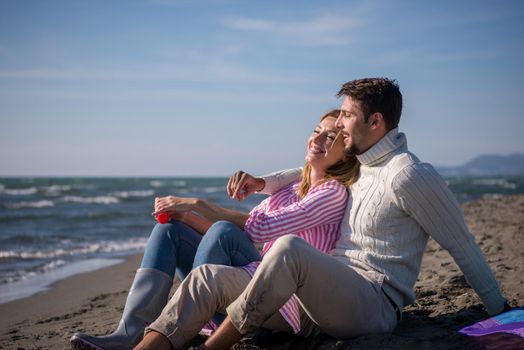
403	161
408	169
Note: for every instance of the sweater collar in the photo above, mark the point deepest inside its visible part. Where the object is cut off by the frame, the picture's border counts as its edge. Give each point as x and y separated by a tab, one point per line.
389	143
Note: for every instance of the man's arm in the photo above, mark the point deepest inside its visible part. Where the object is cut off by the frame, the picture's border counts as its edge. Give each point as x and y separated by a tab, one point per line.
241	184
280	179
423	194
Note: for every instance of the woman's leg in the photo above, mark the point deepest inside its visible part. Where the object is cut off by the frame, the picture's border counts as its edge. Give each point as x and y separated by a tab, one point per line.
226	244
171	247
207	289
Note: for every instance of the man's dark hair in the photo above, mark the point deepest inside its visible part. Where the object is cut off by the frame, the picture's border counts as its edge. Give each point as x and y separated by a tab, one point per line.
376	95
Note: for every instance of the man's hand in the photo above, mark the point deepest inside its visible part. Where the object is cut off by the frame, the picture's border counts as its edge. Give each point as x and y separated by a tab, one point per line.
241	185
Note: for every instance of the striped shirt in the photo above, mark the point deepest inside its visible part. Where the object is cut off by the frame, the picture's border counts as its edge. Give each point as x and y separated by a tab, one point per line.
316	218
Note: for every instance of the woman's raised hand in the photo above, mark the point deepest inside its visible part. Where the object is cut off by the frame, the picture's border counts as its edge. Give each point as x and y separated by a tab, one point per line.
241	185
173	204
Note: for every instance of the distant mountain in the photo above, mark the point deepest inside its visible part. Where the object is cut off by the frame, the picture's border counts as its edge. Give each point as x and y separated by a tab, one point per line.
487	165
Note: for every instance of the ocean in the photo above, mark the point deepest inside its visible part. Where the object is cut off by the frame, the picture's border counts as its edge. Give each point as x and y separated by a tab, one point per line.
52	228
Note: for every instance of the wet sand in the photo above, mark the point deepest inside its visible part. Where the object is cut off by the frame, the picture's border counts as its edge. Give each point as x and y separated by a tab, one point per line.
93	302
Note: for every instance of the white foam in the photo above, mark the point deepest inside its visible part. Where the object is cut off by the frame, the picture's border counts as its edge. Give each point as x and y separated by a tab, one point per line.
33	204
53	265
212	189
91	200
130	194
19	191
41	282
157	183
55	189
134	244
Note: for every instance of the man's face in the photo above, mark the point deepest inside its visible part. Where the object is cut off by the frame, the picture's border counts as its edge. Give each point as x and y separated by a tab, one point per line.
353	127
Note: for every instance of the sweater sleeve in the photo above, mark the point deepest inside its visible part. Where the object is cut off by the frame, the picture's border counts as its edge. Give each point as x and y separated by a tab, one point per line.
323	204
280	179
422	193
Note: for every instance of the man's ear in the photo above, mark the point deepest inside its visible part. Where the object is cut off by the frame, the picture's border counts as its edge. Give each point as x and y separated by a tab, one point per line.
376	120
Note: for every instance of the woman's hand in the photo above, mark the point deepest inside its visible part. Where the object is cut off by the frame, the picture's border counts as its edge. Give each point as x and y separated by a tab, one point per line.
174	205
241	185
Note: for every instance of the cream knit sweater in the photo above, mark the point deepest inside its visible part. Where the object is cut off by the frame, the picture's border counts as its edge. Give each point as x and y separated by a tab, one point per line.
396	204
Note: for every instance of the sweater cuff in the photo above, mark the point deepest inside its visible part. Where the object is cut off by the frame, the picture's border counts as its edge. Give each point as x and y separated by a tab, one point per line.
271	184
278	180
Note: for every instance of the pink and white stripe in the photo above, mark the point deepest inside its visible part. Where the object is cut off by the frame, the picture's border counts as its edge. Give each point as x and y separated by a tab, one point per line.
316	218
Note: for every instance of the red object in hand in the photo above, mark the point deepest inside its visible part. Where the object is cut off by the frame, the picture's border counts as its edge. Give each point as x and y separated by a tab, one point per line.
163	218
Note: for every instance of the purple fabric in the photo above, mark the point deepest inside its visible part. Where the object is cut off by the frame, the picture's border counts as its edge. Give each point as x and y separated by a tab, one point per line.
508	322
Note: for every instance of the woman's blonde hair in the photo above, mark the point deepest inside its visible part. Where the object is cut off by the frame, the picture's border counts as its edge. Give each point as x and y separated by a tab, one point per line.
344	171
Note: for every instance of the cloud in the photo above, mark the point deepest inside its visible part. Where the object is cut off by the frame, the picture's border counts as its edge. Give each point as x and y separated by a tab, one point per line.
327	30
412	55
218	71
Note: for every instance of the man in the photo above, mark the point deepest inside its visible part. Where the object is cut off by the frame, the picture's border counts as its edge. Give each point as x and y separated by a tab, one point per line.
397	203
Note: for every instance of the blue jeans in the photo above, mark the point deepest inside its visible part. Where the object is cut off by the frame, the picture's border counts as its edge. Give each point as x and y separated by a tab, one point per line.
176	247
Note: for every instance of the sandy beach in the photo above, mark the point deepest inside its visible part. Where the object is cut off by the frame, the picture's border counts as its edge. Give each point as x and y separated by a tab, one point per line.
92	302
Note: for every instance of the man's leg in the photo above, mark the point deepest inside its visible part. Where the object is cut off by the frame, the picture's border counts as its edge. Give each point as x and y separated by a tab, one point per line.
205	290
225	244
224	338
154	341
339	300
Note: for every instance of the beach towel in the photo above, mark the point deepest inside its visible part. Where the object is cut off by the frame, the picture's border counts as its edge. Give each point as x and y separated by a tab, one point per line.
511	321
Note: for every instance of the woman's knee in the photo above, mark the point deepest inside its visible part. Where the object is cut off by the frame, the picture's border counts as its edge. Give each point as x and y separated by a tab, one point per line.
223	231
170	231
160	231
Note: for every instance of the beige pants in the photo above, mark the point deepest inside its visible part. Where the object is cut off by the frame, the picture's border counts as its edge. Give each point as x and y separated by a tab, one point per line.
336	299
206	290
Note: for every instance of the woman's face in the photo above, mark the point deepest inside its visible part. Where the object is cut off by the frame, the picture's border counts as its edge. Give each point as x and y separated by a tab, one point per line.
325	147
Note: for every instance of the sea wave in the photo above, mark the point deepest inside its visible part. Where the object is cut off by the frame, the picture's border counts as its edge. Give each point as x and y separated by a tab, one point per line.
19	191
55	190
133	244
52	265
214	189
131	194
31	204
23	238
91	200
161	183
17	275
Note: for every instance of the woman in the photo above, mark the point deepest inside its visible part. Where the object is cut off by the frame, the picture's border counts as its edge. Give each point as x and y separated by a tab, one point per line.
311	209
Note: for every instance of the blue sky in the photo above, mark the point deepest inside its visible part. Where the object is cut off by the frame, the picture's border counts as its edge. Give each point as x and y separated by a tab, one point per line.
180	87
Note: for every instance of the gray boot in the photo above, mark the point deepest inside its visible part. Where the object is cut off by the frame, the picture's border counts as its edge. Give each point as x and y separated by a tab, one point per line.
145	301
